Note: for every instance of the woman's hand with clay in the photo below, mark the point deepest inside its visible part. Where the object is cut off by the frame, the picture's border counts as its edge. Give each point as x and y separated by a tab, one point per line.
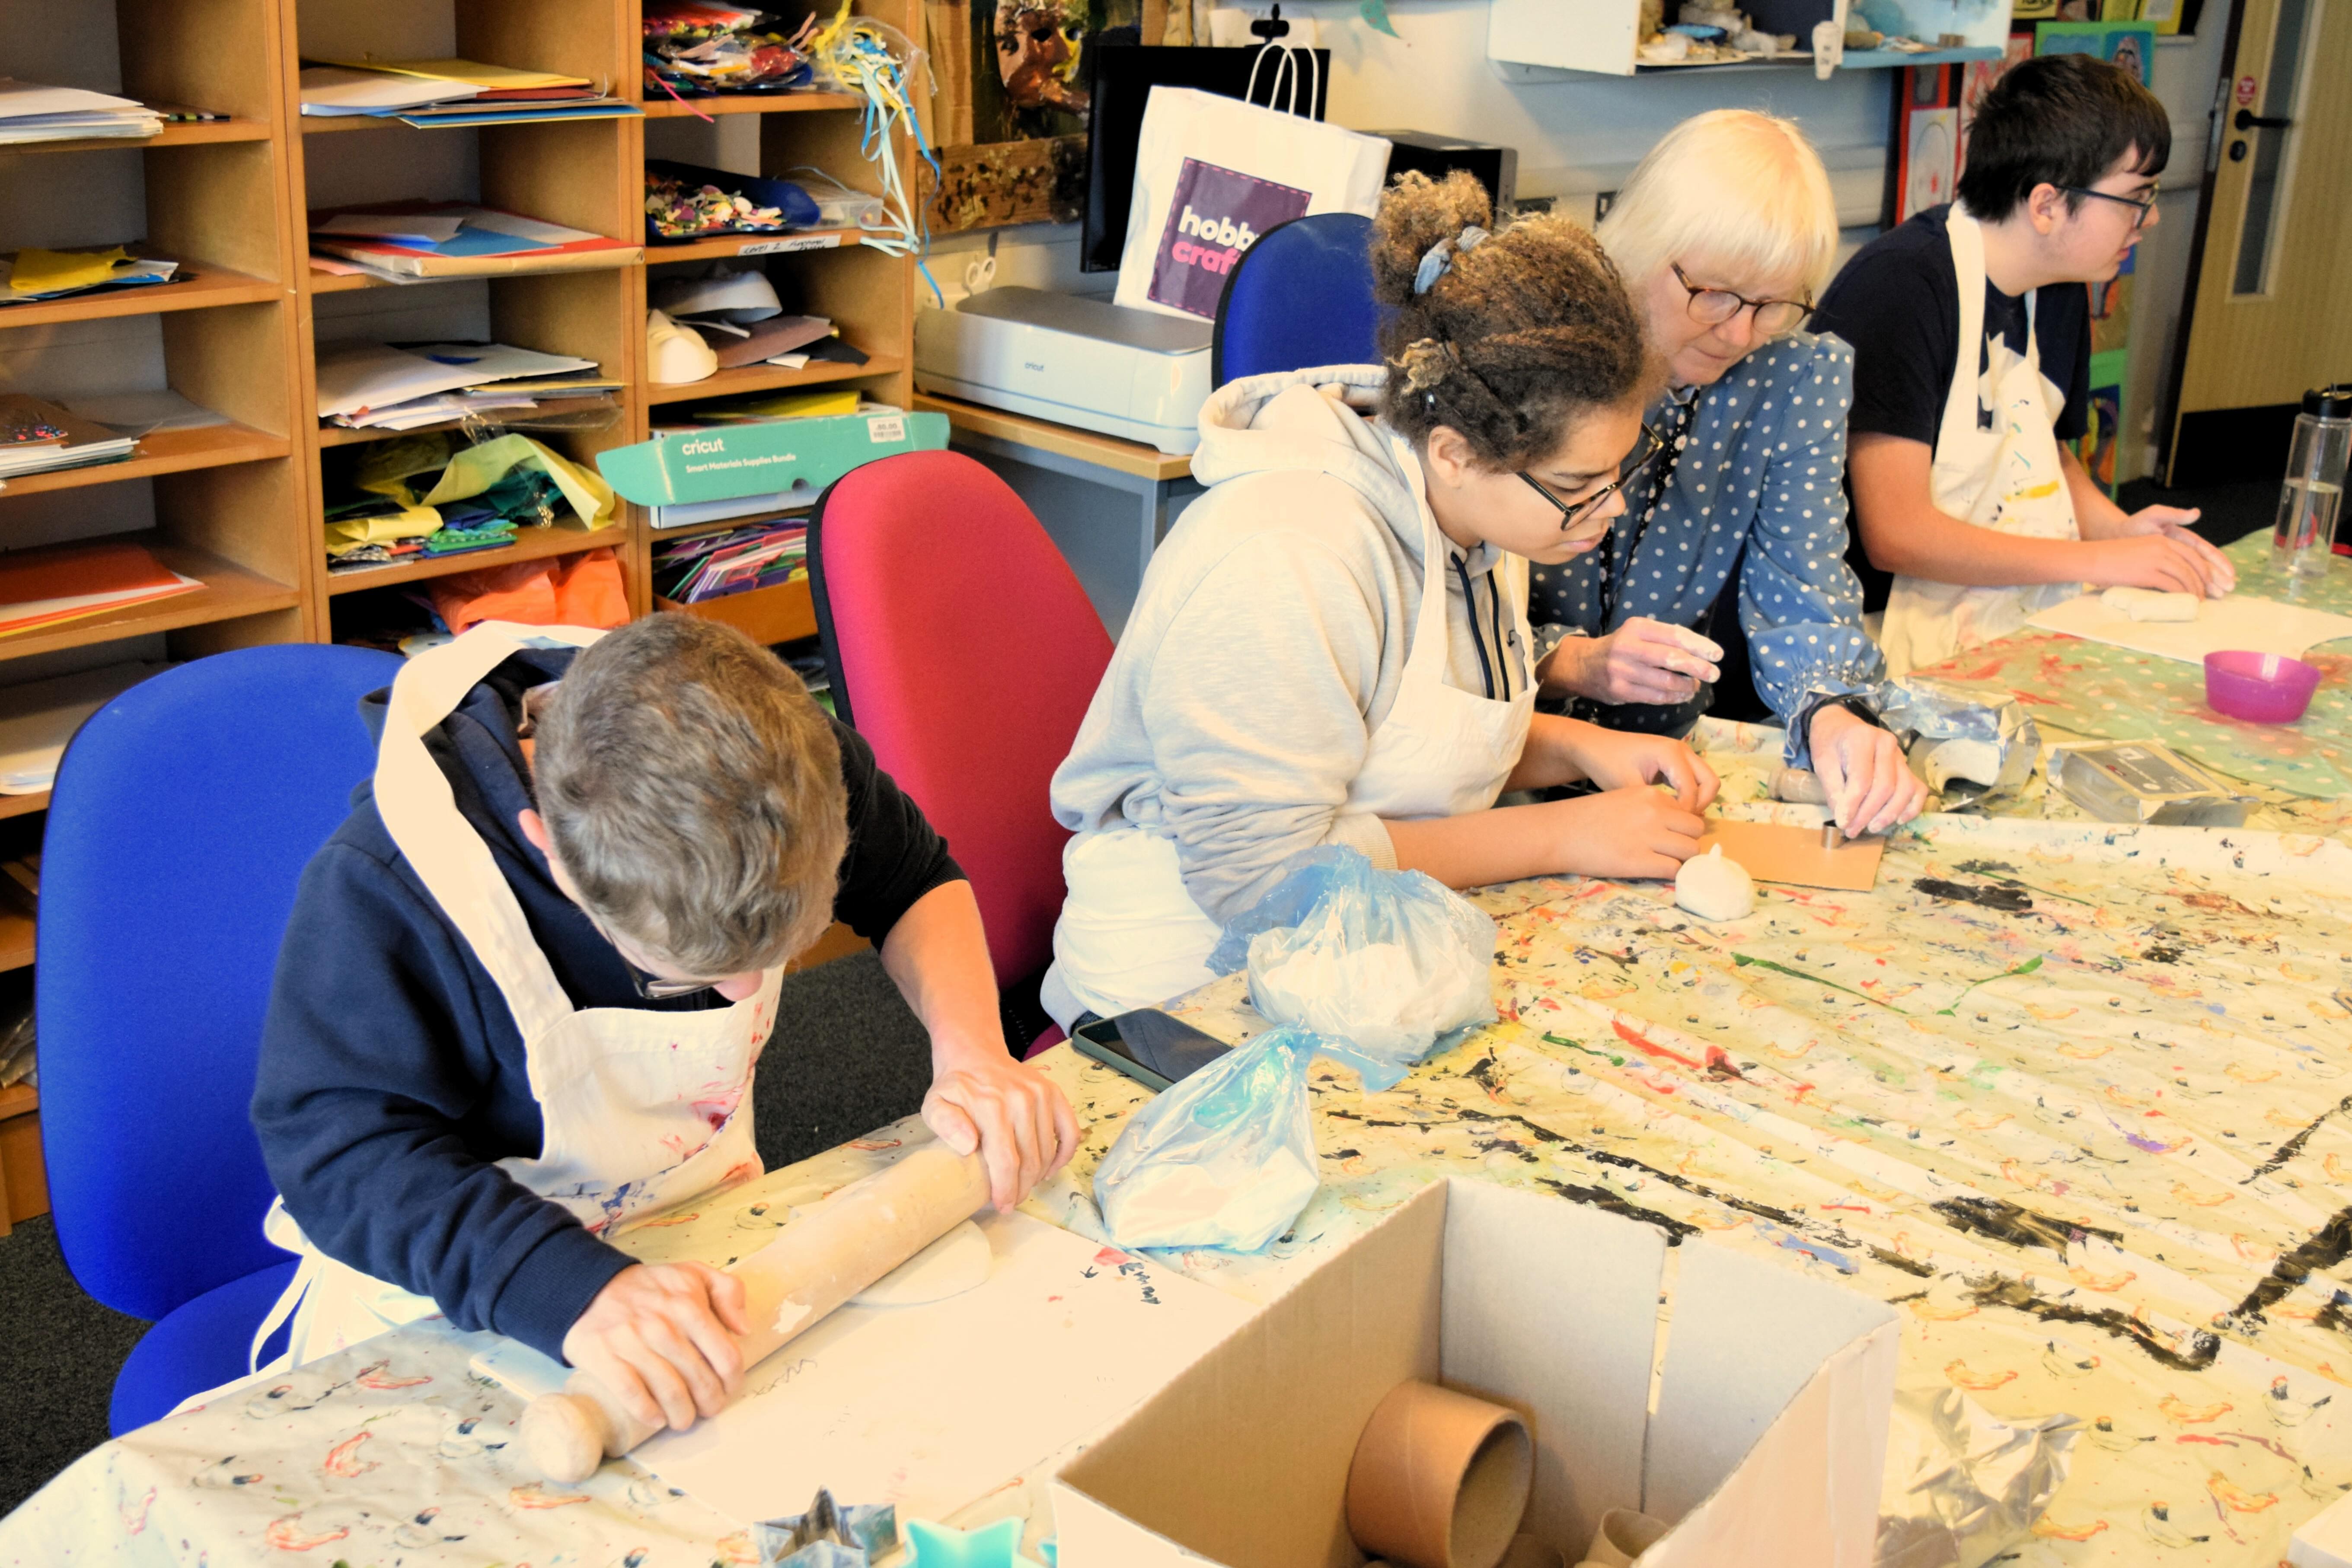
1644	661
1862	768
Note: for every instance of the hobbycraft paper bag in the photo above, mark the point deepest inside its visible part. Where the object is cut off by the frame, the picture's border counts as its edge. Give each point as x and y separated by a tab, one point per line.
1213	174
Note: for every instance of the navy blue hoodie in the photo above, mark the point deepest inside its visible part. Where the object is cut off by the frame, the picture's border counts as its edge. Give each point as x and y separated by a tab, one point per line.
392	1074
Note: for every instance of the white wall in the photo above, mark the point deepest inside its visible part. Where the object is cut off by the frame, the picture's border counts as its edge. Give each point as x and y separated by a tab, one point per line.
1578	137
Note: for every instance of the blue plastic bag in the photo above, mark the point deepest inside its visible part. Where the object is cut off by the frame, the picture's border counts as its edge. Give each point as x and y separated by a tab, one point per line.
1383	964
1224	1157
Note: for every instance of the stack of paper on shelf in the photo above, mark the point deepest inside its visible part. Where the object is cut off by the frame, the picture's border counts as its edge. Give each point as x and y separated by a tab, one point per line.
31	113
380	386
40	587
739	314
451	92
38	717
36	436
410	240
691	571
137	413
30	276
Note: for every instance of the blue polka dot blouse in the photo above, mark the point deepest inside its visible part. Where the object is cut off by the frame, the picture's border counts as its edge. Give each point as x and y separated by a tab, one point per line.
1761	466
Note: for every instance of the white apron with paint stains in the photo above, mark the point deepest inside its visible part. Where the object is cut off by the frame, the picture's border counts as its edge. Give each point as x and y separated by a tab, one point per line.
1130	934
641	1109
2006	478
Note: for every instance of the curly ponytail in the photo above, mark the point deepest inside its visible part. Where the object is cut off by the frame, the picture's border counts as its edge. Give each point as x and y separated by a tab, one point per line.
1506	338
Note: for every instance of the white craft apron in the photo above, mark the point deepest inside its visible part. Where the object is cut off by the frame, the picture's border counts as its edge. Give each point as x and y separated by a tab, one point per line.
2006	478
1131	935
640	1109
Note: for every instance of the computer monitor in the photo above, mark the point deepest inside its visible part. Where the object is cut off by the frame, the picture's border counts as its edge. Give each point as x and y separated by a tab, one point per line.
1124	78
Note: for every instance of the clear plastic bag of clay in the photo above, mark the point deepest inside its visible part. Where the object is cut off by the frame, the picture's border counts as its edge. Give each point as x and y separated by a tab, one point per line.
1971	747
1963	1486
1383	964
1224	1157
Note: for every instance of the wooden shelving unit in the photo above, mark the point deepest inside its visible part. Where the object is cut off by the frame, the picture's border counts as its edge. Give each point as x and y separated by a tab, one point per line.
240	507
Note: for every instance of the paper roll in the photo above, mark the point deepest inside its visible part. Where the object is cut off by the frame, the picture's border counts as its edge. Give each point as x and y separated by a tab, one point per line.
1623	1535
1439	1480
1527	1551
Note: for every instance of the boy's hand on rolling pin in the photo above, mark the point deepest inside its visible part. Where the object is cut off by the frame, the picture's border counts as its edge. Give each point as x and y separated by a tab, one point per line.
661	1337
1012	1113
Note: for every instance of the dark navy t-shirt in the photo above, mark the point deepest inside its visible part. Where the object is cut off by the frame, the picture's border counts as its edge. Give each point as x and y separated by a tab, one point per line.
1897	303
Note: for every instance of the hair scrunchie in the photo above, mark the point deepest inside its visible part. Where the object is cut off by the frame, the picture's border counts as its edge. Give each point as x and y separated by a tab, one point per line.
1438	259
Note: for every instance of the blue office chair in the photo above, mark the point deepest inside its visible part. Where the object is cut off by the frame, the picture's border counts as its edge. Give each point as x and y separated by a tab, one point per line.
1301	297
184	813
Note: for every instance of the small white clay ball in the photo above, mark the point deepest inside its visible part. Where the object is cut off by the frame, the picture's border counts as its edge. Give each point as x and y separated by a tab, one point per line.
1714	887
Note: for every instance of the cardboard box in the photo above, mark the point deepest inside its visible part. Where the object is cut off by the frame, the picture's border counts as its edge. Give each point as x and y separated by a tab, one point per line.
1767	1445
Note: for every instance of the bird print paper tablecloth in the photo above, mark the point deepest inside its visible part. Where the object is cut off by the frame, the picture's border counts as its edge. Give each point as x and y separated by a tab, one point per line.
395	1452
2074	1098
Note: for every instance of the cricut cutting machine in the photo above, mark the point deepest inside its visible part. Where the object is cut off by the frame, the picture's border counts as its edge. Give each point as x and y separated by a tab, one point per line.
1070	359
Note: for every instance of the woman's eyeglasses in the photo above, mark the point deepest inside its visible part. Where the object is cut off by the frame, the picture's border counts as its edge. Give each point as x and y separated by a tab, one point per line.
1643	454
1717	306
2141	205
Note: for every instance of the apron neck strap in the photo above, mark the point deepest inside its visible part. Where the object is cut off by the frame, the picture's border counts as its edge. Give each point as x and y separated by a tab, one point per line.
420	812
1427	656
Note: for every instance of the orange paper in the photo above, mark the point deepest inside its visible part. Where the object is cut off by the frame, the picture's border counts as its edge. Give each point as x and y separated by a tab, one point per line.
1774	851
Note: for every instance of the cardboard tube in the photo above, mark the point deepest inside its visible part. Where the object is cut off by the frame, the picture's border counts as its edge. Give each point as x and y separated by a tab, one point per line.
842	1246
1439	1480
1623	1534
1527	1551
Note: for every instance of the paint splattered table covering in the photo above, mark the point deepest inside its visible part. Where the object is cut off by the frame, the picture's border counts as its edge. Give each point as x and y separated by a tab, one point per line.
2072	1097
2093	690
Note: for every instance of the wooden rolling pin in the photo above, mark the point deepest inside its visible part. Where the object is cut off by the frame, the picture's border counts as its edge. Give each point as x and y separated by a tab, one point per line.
842	1246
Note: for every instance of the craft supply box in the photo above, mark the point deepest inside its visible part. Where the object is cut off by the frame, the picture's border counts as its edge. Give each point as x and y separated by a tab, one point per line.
1766	1447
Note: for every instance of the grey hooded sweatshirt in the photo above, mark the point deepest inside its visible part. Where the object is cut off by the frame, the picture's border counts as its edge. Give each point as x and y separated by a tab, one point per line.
1268	640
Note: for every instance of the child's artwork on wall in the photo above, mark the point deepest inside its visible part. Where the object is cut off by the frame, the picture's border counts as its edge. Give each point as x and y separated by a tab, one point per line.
2097	447
2111	310
1010	118
2130	45
1929	130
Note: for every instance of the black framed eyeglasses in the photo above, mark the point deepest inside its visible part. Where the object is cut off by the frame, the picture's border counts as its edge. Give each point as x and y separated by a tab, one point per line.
1716	306
659	990
1645	452
2143	205
652	988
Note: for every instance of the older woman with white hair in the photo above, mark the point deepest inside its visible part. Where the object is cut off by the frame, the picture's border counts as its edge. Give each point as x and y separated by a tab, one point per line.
1725	585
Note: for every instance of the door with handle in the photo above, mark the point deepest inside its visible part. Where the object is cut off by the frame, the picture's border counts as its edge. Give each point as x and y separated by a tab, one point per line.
2269	311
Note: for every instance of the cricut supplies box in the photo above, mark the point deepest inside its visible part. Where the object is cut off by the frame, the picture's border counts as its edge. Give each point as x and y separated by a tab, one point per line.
1765	1450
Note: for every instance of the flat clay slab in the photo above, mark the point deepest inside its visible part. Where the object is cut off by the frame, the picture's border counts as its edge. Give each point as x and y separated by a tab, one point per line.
1775	852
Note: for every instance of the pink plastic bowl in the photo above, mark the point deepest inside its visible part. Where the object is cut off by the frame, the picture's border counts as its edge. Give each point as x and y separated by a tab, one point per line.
2261	688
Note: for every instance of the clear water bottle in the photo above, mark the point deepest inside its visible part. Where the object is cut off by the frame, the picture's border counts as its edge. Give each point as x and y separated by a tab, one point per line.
2313	494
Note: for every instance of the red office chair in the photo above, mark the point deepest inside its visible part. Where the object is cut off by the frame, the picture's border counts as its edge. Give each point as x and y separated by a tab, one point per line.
962	648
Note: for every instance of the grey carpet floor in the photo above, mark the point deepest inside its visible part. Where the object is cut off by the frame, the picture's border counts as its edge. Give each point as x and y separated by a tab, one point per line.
847	1057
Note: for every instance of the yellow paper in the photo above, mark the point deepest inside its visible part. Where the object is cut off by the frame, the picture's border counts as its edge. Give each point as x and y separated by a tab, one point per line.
40	271
791	405
350	533
488	78
477	468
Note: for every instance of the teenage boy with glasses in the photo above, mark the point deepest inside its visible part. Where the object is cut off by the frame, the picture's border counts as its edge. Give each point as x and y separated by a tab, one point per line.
1971	327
